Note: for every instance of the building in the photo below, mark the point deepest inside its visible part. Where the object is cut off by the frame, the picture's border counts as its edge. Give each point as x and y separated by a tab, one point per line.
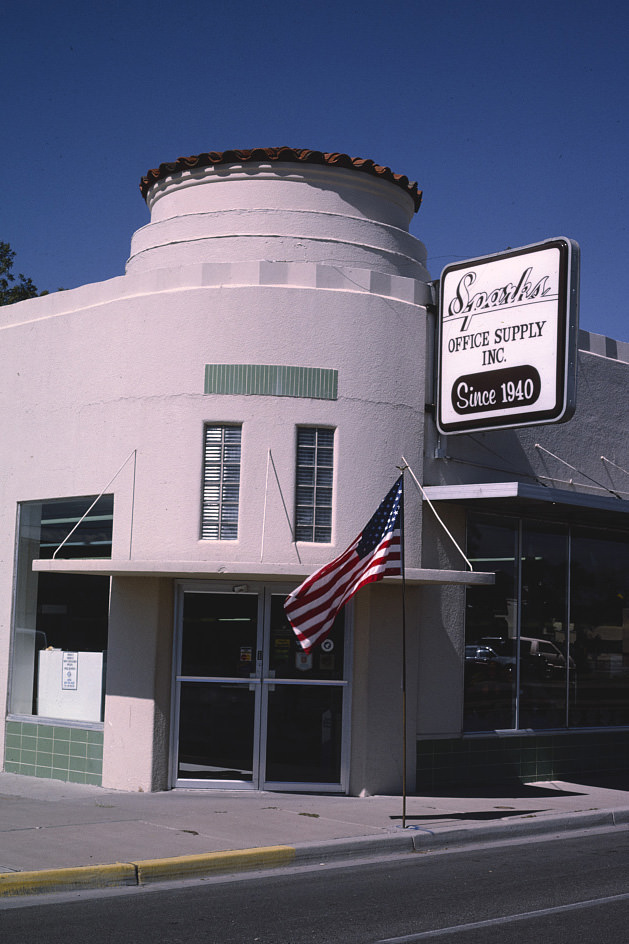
185	443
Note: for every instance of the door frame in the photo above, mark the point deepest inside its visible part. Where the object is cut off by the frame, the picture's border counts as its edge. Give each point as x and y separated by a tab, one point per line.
262	682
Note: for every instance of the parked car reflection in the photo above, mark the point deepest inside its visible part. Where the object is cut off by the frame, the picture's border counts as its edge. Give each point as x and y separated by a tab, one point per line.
539	658
543	657
489	686
482	655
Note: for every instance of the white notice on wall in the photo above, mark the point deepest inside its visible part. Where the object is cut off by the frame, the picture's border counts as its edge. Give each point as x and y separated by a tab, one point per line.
69	671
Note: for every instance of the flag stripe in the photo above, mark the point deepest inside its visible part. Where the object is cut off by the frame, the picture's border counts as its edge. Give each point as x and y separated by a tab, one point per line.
320	599
326	578
314	629
327	575
375	553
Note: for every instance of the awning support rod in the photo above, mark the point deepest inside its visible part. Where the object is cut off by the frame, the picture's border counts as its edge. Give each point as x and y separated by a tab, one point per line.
80	521
432	508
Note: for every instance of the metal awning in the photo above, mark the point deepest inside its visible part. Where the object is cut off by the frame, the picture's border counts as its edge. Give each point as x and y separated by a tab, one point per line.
524	498
205	570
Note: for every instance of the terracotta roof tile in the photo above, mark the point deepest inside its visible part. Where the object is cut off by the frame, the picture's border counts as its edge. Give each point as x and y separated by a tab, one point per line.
280	154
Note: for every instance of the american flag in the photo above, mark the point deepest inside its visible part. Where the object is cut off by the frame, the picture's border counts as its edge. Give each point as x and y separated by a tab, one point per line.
376	553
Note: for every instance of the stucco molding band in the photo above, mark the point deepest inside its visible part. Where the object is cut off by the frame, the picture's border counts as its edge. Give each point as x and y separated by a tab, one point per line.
301	275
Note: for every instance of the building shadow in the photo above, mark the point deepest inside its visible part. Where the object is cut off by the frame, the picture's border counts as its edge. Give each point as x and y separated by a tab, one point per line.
513	789
476	815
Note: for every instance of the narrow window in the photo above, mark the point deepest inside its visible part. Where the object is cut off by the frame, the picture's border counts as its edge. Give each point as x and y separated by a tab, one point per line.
221	483
315	467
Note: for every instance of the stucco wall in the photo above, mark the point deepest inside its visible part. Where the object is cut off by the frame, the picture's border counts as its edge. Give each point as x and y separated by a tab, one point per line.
137	705
115	370
377	742
92	385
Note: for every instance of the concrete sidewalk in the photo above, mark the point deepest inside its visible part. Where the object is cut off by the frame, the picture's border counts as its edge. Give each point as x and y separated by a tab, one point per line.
56	836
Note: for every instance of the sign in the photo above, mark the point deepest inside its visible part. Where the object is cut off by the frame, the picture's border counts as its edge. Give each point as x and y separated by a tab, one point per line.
69	671
508	328
303	661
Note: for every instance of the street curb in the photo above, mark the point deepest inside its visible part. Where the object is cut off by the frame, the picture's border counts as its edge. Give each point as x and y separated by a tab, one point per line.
358	847
144	871
529	825
413	839
62	880
212	863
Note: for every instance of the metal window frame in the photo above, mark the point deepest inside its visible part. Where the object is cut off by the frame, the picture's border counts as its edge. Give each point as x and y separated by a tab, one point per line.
260	681
206	524
520	522
316	505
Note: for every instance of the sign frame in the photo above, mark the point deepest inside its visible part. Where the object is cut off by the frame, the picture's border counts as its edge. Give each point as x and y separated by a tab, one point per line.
486	380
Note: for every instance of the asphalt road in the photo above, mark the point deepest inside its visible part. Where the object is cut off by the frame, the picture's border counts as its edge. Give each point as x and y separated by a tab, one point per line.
556	891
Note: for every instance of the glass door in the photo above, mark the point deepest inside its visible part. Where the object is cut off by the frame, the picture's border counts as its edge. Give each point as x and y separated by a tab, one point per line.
218	688
252	710
303	701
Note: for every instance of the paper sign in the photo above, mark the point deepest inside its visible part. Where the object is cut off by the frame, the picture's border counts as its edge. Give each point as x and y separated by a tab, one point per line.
69	671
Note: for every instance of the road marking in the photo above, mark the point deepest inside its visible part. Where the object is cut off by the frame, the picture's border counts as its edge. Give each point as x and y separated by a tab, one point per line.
506	919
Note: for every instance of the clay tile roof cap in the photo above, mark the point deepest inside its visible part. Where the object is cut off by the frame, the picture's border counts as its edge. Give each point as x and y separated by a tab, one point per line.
281	154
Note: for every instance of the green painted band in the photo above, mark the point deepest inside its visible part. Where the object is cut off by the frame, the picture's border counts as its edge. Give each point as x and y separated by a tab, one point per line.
268	380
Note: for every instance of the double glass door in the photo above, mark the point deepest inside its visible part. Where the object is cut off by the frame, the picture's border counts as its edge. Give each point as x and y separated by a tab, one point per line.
252	710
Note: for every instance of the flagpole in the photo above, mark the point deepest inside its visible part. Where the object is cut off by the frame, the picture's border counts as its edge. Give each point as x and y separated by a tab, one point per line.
377	552
404	723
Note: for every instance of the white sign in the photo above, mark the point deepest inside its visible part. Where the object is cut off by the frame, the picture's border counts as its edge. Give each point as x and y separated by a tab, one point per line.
508	338
69	671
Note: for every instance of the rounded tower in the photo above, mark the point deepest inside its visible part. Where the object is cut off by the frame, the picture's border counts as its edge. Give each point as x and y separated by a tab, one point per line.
279	205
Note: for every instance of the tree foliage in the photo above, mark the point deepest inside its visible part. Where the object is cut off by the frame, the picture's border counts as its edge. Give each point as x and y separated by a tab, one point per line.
13	288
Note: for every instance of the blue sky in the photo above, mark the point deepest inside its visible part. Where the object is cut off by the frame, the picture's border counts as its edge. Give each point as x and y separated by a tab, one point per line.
511	116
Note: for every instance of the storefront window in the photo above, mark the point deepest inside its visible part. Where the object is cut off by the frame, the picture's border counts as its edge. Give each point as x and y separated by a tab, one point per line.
547	646
542	649
59	649
491	627
599	638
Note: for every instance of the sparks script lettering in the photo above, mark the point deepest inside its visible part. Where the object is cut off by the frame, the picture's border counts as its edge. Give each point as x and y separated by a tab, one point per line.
467	304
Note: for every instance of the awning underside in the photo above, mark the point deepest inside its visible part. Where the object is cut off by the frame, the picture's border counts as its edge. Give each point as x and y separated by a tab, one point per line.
205	570
523	498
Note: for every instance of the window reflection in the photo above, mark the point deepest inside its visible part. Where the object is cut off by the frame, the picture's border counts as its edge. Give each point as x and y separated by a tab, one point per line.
216	731
542	647
490	676
548	645
304	734
600	629
220	635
